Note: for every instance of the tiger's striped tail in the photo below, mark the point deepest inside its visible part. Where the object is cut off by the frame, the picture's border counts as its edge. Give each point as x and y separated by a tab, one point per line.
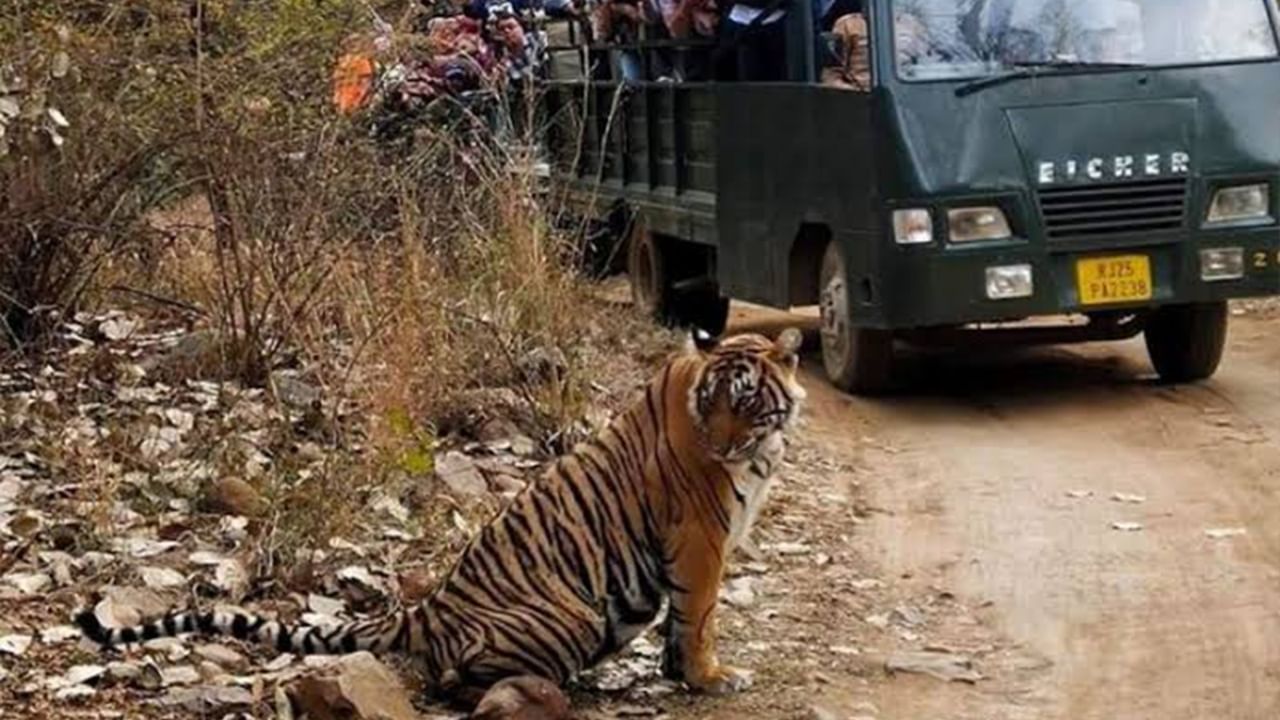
400	631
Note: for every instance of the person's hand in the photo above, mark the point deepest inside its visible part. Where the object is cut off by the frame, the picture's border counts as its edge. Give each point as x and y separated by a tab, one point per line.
705	22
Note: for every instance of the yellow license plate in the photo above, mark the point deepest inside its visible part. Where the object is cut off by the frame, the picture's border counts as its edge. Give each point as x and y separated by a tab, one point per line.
1116	279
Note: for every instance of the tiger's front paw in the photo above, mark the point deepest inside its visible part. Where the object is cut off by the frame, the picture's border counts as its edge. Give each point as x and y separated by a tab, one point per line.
722	680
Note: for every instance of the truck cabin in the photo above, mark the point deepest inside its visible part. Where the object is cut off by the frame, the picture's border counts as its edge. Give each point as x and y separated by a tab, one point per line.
930	166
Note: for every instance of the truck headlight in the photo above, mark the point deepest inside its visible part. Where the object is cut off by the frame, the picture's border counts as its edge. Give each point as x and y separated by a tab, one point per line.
1006	282
972	224
1243	202
1221	264
913	227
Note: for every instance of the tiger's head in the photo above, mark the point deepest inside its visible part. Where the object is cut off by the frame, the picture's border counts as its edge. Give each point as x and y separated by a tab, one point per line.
745	394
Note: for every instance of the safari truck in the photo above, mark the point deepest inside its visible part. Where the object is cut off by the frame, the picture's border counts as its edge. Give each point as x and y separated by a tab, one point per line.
1016	171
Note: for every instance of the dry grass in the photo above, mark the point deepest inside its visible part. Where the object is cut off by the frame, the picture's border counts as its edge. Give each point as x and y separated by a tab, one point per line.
205	177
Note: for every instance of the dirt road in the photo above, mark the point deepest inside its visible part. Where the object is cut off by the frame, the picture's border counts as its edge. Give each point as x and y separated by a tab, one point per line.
975	513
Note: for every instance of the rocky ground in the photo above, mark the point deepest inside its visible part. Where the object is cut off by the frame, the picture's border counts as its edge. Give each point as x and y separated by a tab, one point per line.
882	586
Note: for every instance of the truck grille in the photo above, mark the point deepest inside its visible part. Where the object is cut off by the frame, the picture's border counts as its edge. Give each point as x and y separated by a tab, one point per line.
1095	211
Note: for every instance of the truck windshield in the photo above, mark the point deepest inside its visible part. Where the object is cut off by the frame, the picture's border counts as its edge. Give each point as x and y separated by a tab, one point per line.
953	39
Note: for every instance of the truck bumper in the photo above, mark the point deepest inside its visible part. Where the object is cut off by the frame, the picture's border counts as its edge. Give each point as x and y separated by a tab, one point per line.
945	287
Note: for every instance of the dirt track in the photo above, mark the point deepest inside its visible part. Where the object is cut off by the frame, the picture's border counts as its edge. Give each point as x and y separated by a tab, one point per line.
965	498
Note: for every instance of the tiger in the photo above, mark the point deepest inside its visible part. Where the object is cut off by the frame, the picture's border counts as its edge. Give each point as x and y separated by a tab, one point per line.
582	560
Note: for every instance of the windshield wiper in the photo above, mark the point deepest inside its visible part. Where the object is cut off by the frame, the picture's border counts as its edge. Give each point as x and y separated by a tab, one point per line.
1034	68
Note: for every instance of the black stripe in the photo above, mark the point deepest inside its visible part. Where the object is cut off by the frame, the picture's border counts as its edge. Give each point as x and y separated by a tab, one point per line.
583	506
401	639
284	639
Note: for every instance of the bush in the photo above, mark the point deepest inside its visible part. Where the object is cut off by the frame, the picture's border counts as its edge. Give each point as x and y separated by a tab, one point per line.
80	161
203	165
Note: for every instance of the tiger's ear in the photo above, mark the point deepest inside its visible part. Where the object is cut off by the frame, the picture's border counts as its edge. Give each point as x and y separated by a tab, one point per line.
703	341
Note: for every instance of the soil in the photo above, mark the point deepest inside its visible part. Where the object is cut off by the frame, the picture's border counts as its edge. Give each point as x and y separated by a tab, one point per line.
974	513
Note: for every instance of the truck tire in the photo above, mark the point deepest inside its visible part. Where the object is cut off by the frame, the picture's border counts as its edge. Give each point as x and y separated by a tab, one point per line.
1185	342
857	360
653	288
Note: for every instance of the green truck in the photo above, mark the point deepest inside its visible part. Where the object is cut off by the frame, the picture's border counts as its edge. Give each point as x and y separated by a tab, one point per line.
1112	163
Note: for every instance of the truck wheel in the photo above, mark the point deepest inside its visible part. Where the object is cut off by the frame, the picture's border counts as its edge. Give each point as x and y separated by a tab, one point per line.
857	360
653	281
647	271
1185	342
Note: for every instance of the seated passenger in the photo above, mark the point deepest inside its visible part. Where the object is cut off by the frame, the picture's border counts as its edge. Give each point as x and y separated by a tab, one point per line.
626	22
853	68
519	52
690	18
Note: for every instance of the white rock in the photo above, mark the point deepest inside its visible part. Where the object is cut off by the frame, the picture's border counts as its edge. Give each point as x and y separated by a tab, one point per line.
179	675
460	474
1128	498
222	656
944	666
205	699
1126	526
788	548
907	615
10	488
62	576
80	674
142	547
231	578
205	558
360	575
28	583
159	578
739	592
125	606
1222	533
279	662
1079	494
118	328
325	605
154	446
74	692
233	527
319	619
121	671
180	419
15	645
392	507
174	649
59	634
